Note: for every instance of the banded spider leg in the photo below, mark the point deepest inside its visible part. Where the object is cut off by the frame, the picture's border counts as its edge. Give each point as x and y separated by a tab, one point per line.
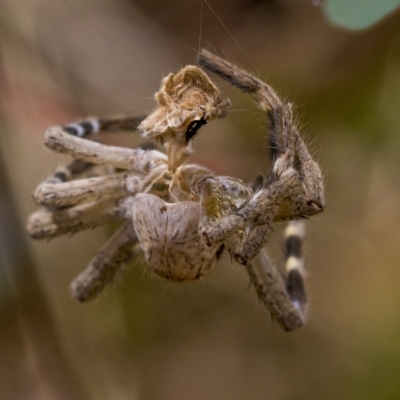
78	196
293	190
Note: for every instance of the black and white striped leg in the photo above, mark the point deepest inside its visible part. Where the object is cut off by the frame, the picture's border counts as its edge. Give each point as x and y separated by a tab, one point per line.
71	139
84	128
95	125
294	264
66	173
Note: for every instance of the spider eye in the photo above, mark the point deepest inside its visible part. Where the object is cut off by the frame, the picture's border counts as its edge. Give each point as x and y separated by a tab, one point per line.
193	127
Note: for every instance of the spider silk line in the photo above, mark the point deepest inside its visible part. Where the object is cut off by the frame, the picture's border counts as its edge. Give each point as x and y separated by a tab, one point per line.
201	25
227	30
241	109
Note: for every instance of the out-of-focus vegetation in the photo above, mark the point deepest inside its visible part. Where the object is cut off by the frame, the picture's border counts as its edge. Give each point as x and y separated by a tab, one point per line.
358	14
145	338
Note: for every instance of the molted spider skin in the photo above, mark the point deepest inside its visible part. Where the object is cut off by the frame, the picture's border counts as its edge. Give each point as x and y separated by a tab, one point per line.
183	216
186	101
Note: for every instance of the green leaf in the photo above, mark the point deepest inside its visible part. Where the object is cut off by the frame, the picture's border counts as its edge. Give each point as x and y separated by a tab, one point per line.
358	14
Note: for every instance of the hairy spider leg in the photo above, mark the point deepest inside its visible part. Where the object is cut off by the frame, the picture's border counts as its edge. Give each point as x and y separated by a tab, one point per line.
281	144
279	114
284	297
89	189
95	125
254	220
138	160
83	128
288	149
70	171
272	291
83	190
103	268
291	159
145	164
50	222
90	202
235	76
78	204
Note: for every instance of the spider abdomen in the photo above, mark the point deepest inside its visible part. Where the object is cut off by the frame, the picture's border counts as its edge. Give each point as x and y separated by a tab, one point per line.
169	237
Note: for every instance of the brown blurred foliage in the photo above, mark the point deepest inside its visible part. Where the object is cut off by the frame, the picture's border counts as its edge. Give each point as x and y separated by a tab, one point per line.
146	339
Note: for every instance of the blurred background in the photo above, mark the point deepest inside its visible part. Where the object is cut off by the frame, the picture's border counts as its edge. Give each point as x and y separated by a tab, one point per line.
149	339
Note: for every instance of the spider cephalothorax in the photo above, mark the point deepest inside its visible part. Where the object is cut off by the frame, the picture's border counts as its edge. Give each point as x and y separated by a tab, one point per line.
182	216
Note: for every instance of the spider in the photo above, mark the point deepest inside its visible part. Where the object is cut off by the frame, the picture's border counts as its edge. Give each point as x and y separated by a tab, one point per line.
181	215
